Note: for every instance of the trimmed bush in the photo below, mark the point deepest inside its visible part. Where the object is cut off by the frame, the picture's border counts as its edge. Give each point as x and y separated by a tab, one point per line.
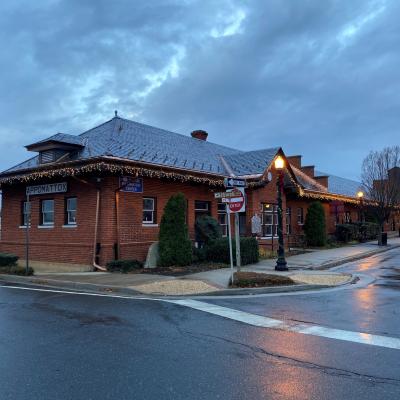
315	226
16	270
7	259
357	231
124	266
346	232
175	247
199	254
207	229
218	250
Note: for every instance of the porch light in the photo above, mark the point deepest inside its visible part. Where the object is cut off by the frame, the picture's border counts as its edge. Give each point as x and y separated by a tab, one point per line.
360	194
279	163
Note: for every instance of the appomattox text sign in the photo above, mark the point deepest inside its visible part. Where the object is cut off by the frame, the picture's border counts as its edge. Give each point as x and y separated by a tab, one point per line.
60	187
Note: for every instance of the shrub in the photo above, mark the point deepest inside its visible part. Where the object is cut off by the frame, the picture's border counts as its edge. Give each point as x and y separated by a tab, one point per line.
254	279
199	254
175	247
346	232
16	270
124	266
207	229
315	226
7	259
218	250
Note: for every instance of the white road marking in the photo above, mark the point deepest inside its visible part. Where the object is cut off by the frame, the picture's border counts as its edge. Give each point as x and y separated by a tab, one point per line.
291	326
80	293
251	319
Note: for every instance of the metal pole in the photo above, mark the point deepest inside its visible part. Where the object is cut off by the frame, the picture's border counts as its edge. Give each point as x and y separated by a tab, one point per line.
28	223
281	262
237	238
228	214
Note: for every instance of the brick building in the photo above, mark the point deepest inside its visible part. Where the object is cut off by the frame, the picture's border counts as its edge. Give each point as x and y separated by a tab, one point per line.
100	195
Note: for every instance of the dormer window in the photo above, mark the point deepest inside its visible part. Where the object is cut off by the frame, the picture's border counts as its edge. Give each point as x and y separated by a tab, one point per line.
60	147
47	156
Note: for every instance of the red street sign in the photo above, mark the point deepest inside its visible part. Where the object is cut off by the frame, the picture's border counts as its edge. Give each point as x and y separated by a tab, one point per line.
237	203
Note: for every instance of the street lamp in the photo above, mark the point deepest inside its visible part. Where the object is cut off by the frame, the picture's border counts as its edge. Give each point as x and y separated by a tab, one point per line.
360	196
281	264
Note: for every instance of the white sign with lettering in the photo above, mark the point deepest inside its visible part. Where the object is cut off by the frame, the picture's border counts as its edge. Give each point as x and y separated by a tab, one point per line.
61	187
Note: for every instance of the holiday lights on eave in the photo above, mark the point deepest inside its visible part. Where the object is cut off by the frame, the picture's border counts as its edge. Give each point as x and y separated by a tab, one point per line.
120	169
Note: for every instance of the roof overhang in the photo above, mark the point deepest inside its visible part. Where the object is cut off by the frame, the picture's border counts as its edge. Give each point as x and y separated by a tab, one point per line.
53	144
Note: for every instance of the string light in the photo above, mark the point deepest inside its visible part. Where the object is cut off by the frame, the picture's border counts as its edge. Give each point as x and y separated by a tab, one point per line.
113	169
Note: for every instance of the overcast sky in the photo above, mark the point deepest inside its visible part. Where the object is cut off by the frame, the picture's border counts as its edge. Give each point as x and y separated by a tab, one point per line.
319	78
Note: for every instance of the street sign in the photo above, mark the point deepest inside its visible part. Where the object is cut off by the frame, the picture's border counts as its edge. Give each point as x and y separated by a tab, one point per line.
131	184
237	203
224	195
234	182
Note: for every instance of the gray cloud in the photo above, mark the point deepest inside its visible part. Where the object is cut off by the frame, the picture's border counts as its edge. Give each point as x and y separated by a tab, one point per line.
317	78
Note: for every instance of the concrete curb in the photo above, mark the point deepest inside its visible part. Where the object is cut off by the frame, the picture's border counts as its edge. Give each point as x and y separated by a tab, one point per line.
103	289
346	260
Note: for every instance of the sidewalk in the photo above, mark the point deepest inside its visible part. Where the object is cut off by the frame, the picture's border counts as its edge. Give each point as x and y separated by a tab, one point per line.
306	269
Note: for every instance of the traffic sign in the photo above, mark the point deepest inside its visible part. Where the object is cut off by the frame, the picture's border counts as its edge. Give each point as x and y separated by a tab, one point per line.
237	203
234	182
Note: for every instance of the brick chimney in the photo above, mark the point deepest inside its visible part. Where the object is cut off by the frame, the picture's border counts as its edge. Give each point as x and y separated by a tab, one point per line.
322	180
199	134
295	161
308	170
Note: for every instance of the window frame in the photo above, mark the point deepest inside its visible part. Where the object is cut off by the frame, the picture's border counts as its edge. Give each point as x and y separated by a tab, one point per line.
300	215
67	211
153	210
288	220
272	213
42	221
223	213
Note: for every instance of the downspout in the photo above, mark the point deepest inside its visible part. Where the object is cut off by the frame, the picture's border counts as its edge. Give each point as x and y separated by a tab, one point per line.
95	265
117	220
96	227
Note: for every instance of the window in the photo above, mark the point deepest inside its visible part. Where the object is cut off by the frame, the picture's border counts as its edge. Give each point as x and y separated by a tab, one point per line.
70	210
149	210
47	212
47	156
269	220
223	218
288	220
300	216
26	209
202	207
347	217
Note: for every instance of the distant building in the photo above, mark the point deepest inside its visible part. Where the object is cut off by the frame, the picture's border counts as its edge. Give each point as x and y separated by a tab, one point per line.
100	195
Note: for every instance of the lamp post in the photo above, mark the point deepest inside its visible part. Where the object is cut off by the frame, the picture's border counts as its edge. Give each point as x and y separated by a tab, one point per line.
360	196
281	264
362	228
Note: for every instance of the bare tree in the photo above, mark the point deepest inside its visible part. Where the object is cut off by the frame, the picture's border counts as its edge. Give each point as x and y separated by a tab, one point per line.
381	180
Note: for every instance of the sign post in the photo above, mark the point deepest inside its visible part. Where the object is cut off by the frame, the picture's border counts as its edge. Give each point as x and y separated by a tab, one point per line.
235	203
27	227
230	240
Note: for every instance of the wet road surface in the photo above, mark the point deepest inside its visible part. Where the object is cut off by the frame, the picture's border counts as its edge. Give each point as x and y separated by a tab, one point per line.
72	346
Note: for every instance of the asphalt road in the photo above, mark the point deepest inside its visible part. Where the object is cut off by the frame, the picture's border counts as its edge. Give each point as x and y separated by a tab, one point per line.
73	346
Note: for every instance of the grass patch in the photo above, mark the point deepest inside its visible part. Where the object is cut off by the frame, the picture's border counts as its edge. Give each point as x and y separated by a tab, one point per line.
16	270
256	279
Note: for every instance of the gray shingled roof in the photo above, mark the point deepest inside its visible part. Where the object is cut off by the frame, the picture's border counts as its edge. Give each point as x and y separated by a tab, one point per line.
339	185
131	140
251	162
64	138
306	182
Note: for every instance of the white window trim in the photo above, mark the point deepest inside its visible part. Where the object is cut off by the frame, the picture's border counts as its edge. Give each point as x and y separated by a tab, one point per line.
50	224
149	223
69	211
46	226
70	226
